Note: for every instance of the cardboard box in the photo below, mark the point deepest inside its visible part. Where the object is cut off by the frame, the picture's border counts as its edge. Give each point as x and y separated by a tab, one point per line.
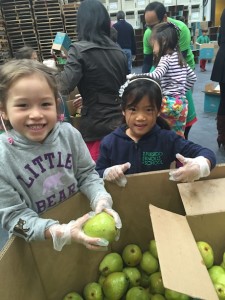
206	51
212	98
35	271
61	42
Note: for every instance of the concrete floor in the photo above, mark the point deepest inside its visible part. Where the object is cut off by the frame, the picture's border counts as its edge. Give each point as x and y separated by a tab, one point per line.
203	131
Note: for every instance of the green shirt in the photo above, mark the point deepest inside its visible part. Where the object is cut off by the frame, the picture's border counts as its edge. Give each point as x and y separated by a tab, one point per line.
184	41
202	39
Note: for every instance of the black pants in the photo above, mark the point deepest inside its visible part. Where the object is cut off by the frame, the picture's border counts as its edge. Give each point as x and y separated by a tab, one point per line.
221	108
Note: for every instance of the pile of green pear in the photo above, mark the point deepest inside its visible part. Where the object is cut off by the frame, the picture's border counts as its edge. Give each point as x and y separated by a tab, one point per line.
131	275
216	272
135	274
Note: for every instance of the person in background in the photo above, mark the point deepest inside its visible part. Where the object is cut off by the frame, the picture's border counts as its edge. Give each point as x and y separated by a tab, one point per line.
175	75
218	75
143	143
43	161
126	38
26	52
202	39
155	12
98	67
148	51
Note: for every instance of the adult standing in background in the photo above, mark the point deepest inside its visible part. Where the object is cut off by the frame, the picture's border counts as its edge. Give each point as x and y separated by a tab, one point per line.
98	67
155	13
125	38
218	75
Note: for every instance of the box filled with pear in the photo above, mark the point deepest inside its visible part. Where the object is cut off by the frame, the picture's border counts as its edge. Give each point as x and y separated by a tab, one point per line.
151	207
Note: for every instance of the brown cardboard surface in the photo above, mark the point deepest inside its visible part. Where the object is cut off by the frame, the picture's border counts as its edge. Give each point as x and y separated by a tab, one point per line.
206	45
203	197
210	89
19	278
38	270
210	228
180	260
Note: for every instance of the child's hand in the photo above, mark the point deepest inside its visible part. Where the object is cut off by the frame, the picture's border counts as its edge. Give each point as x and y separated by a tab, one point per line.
105	205
66	233
78	102
116	174
193	169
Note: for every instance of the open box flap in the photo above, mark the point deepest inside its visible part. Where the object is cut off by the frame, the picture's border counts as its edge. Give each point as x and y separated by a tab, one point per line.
203	197
180	260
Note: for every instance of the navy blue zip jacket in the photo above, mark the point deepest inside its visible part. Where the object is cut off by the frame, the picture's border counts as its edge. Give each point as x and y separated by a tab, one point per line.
154	151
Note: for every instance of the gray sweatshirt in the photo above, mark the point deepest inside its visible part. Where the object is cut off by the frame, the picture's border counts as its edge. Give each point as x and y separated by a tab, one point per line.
35	177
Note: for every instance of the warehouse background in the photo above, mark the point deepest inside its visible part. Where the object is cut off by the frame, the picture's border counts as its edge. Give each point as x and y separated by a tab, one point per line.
36	22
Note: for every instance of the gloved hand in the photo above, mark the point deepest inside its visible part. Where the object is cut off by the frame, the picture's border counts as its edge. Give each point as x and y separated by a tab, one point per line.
133	57
66	233
116	174
193	169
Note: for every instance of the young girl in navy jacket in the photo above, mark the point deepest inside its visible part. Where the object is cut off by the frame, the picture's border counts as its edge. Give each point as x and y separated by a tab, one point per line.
144	142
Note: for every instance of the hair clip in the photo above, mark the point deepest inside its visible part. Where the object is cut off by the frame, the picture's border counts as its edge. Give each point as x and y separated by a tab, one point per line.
10	139
61	117
135	77
122	88
174	26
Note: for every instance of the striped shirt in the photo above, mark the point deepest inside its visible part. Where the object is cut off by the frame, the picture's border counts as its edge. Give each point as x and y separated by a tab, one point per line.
175	80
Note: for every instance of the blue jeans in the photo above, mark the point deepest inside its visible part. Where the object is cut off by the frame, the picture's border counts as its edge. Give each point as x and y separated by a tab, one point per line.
129	59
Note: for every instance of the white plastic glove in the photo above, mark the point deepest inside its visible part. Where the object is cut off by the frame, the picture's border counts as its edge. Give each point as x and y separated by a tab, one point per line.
133	57
103	202
66	233
193	169
116	174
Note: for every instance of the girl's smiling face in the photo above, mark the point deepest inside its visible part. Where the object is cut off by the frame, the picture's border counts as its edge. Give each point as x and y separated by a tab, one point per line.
31	107
140	118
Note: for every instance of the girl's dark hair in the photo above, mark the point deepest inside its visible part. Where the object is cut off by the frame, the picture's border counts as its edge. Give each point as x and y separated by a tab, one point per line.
158	8
24	52
144	86
93	22
167	35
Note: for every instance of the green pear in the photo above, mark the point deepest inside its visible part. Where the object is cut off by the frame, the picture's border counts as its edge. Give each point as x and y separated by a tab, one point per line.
132	255
137	293
93	291
101	279
144	279
173	295
134	276
101	225
215	272
115	285
149	263
111	262
156	283
223	261
206	253
220	290
72	296
152	248
158	297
